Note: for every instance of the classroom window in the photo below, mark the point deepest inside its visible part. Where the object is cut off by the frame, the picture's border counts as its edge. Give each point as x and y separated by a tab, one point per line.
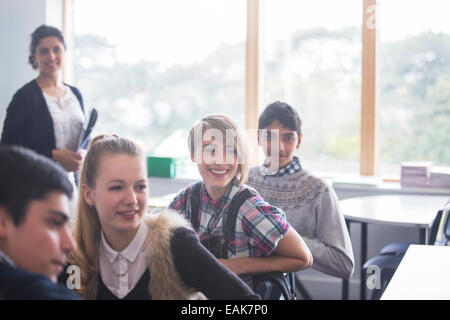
414	82
152	68
312	60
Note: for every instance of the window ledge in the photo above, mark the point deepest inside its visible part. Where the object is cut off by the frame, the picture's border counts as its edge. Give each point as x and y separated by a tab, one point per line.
376	185
367	185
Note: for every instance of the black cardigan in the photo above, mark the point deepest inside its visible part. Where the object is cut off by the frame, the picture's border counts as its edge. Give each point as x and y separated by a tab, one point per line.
28	121
197	268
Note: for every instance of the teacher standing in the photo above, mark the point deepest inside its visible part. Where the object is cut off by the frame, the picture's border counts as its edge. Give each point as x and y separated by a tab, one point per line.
47	115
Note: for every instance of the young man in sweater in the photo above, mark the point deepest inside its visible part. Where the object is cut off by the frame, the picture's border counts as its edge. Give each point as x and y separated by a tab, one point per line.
34	233
311	206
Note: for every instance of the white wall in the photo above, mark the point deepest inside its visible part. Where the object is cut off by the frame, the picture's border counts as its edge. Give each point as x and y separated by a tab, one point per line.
18	19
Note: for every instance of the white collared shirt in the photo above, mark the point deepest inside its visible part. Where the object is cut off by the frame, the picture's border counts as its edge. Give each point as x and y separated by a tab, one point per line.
121	271
68	119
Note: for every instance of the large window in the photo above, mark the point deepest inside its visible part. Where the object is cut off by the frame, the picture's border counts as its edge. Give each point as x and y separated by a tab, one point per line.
152	68
414	82
313	62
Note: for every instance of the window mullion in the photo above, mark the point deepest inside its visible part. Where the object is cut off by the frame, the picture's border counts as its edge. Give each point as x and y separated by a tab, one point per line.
369	155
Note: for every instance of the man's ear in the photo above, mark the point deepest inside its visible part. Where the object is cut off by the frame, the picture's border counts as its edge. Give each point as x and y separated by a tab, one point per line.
299	142
87	194
5	221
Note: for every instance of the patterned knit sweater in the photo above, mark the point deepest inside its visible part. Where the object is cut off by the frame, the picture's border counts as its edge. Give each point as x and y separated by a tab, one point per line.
312	208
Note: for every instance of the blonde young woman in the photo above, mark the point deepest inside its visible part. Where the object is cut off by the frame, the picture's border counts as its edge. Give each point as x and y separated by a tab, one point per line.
261	239
123	253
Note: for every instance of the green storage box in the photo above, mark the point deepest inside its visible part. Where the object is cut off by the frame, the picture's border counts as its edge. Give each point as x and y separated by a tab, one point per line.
164	166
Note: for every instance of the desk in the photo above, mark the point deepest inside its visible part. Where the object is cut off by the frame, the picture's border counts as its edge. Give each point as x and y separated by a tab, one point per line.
160	202
423	273
416	211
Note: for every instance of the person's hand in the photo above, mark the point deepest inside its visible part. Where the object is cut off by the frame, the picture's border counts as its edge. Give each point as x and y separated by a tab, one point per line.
69	160
82	153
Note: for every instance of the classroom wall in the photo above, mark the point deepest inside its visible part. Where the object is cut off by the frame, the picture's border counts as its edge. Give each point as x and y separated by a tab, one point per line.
18	19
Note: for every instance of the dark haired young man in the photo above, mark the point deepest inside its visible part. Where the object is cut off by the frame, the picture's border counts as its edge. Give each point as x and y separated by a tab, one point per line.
34	235
311	206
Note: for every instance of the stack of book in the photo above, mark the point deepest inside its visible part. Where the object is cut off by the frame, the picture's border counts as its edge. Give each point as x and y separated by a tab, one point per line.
415	174
440	177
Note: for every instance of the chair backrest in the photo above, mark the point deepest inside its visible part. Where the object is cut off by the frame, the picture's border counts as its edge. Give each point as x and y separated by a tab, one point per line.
275	286
443	231
435	227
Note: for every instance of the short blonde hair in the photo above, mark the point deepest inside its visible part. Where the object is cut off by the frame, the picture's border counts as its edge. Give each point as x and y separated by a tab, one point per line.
226	126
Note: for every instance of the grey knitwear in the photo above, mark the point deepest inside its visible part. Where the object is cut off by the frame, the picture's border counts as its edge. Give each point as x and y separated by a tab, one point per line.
312	208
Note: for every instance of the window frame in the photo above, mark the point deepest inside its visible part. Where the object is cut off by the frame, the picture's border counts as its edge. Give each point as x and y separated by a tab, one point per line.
369	134
254	72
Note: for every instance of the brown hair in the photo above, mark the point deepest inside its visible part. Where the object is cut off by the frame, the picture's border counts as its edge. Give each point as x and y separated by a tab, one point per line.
40	33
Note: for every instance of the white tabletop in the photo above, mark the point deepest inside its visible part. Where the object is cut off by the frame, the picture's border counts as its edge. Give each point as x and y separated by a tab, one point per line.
424	274
396	209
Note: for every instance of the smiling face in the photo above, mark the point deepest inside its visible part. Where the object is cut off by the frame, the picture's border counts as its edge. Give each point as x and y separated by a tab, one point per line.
218	166
42	241
119	194
280	144
49	55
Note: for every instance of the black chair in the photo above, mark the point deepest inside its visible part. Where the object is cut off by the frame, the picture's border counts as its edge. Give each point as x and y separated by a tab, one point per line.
279	286
301	288
392	254
275	286
399	248
443	238
387	265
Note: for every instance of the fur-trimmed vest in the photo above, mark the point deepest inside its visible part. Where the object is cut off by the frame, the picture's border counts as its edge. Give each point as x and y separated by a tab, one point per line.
165	282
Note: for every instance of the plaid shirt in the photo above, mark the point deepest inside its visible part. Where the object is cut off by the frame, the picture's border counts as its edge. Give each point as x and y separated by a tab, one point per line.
290	169
259	225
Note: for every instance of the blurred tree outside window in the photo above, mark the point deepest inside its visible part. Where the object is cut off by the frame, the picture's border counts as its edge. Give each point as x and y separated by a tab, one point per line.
414	82
152	68
313	62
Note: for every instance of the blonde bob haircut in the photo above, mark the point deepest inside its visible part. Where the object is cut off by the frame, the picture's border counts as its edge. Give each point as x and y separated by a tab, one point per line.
225	129
87	227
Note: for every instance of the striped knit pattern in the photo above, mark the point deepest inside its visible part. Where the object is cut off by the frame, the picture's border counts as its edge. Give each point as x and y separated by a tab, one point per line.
312	209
